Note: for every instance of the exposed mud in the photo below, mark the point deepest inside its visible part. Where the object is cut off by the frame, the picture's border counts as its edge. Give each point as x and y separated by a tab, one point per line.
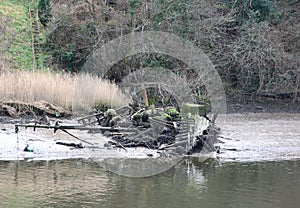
260	136
45	145
254	130
255	104
18	108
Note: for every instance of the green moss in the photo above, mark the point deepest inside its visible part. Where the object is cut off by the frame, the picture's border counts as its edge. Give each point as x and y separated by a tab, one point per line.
194	109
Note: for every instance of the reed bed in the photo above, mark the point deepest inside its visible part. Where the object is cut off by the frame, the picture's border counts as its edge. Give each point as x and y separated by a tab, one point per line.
72	92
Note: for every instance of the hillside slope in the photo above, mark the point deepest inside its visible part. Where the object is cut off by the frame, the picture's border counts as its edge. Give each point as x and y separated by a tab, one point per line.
254	44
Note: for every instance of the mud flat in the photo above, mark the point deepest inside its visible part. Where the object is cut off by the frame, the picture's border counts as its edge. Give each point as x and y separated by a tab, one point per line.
260	137
43	144
32	145
244	137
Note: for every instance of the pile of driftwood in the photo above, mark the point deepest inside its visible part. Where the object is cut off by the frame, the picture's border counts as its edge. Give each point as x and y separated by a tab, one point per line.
18	108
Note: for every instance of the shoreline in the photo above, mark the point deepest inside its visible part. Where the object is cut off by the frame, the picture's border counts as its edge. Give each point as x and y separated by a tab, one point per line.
256	104
241	105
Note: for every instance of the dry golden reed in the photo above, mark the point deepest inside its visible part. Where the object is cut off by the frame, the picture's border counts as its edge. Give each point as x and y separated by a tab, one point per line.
72	92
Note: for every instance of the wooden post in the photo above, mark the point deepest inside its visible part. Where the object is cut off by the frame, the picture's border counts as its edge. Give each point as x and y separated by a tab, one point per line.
145	97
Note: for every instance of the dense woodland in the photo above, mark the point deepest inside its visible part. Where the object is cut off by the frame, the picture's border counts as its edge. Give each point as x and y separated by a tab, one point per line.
254	44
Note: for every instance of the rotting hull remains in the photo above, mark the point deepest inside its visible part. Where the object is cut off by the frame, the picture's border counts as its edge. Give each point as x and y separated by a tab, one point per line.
192	135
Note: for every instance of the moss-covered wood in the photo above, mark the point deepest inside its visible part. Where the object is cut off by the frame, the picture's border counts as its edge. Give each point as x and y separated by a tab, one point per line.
194	109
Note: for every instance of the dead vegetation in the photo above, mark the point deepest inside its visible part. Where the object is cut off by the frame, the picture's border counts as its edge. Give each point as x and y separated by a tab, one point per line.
52	92
254	44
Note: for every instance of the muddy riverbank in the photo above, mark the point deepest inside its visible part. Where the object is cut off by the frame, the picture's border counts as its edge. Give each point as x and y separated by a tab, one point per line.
44	144
255	104
254	130
260	137
244	137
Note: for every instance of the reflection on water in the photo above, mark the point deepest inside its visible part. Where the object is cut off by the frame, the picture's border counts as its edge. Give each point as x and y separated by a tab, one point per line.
81	183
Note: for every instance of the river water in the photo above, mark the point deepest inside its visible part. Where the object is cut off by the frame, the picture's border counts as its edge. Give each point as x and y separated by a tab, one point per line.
258	166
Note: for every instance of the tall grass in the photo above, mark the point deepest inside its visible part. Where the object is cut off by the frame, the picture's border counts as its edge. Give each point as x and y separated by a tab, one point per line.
72	92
